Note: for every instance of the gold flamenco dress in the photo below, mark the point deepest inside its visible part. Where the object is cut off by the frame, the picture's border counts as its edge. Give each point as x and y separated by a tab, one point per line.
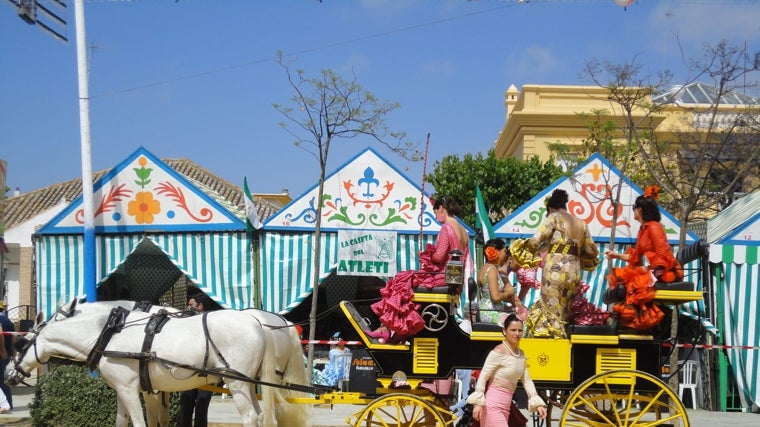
561	277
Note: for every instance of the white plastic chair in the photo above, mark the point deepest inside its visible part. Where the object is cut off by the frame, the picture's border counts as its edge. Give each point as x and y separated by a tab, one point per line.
343	362
689	381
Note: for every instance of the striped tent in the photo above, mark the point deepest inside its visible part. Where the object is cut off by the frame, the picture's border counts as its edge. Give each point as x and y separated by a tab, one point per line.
734	235
152	225
371	211
588	187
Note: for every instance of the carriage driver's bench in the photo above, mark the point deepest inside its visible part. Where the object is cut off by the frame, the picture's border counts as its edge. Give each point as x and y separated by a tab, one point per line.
675	292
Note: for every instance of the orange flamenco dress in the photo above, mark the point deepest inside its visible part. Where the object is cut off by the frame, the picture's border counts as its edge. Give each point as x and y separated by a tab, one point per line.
638	310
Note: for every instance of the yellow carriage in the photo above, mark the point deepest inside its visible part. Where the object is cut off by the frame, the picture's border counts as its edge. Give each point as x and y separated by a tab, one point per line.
596	377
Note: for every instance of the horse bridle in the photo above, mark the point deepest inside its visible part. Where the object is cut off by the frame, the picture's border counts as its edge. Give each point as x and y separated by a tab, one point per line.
22	348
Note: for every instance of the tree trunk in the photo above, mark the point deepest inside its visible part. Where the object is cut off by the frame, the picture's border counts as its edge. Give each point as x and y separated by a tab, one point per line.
315	282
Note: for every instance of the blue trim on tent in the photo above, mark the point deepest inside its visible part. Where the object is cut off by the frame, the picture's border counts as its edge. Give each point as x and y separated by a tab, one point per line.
735	237
235	223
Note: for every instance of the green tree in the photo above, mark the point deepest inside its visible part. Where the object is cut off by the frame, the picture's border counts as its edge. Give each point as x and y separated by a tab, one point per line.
324	109
506	184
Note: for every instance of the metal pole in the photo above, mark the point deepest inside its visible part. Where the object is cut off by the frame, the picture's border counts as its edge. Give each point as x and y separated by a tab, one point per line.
84	132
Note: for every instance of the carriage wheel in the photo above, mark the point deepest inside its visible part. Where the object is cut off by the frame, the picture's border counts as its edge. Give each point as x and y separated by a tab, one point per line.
623	398
404	410
555	401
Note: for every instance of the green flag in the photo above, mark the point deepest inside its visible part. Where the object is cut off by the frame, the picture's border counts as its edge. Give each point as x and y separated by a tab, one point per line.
251	216
481	216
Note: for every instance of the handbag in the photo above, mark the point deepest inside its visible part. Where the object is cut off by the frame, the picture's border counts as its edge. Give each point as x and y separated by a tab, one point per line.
516	417
466	419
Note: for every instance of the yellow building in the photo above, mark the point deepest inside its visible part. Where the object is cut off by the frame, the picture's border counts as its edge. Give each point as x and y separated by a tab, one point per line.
540	115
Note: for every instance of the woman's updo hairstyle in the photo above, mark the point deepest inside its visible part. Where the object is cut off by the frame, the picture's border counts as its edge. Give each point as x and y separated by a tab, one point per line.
558	199
492	248
648	204
448	203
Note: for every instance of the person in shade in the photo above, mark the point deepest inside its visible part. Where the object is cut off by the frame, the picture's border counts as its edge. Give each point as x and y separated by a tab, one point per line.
339	361
6	354
193	404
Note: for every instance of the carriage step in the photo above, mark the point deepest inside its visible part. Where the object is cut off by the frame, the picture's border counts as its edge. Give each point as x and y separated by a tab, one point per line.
486	327
674	286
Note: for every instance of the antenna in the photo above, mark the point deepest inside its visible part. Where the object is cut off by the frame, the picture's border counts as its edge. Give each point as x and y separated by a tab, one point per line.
50	18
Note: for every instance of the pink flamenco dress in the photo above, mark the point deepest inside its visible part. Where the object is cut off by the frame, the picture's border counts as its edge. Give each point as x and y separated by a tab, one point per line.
396	310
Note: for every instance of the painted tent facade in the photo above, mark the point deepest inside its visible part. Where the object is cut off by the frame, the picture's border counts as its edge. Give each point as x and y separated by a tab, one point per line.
152	224
734	235
588	188
375	221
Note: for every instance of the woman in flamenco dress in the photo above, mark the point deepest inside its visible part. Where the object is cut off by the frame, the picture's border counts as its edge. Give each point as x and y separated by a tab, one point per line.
399	316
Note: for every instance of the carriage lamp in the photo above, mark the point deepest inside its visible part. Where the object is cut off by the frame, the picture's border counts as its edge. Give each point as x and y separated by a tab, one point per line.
454	271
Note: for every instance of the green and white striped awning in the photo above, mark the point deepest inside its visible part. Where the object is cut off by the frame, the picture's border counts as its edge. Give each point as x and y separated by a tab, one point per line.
218	263
738	296
287	264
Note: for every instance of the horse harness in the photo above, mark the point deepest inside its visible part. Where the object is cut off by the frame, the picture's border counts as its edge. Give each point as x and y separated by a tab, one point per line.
116	322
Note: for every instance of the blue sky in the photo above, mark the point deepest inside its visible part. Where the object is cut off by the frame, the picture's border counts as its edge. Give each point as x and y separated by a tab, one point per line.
197	78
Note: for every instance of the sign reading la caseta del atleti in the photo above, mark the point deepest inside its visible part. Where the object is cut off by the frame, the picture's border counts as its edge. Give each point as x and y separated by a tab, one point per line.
366	253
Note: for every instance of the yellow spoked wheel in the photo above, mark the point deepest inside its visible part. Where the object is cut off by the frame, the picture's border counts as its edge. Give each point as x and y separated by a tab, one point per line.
403	410
623	398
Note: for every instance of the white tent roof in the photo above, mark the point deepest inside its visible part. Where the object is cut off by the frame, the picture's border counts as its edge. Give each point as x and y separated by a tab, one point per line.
738	223
365	193
588	187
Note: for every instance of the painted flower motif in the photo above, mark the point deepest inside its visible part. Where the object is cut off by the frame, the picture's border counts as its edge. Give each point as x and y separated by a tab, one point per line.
143	207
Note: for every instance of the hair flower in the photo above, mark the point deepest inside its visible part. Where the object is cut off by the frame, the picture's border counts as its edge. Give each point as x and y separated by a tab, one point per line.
652	192
491	253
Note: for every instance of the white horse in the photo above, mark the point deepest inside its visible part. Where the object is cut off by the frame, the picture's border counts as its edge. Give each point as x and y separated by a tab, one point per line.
287	363
156	403
229	345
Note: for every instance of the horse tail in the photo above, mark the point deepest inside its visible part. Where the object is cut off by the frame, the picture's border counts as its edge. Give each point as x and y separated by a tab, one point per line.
295	371
268	374
294	414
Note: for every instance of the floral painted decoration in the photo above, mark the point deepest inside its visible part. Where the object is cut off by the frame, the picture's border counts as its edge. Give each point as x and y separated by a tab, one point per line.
491	253
652	192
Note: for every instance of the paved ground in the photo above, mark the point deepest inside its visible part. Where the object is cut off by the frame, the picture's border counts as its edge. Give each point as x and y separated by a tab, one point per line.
222	413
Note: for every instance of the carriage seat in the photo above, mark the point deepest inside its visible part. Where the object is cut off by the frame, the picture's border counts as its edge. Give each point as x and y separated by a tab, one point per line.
592	329
435	290
684	256
474	308
441	288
